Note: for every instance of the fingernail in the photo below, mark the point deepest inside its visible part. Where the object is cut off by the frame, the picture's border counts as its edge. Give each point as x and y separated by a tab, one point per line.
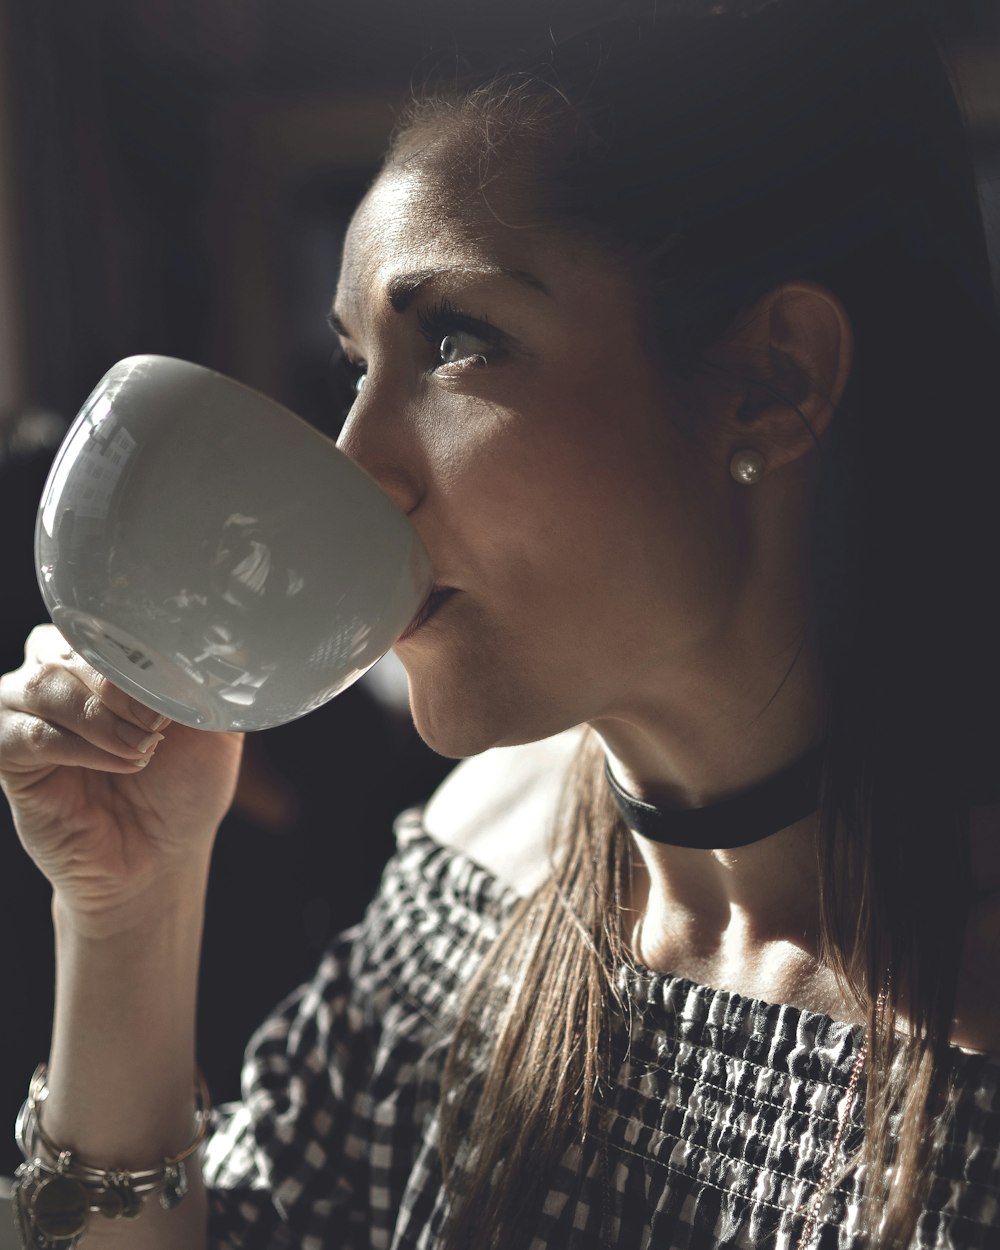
134	737
146	716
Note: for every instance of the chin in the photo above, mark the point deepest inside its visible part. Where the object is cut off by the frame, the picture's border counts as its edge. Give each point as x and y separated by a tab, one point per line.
449	736
458	725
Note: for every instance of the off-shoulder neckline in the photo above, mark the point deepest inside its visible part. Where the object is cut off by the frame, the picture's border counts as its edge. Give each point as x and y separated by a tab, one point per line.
483	889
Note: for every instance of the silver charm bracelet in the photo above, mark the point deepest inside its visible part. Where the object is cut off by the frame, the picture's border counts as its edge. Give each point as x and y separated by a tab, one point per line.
53	1199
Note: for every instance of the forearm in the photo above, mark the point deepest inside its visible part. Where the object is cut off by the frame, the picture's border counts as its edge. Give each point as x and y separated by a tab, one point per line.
122	1064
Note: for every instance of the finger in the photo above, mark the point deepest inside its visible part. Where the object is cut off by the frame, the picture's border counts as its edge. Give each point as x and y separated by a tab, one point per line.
56	695
28	744
112	696
46	645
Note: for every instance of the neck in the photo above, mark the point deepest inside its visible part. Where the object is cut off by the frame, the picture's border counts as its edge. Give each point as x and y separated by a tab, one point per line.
731	734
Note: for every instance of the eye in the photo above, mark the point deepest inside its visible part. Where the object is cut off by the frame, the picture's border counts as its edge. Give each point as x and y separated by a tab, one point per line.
460	345
355	372
347	378
457	337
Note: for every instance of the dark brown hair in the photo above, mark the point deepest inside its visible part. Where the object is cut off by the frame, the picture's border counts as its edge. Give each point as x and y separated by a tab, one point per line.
723	156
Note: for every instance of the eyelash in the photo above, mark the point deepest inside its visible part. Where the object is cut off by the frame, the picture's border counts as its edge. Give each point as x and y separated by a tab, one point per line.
345	370
443	318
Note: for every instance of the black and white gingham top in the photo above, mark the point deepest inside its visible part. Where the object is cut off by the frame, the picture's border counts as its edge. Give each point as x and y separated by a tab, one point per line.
719	1121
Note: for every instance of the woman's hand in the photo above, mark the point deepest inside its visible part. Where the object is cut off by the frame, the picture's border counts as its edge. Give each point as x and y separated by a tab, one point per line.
113	822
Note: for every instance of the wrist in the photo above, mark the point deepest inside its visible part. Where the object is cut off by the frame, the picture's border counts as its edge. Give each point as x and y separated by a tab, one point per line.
173	901
123	1045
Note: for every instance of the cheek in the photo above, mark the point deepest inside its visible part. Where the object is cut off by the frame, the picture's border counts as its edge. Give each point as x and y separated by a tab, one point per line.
458	438
576	501
521	491
566	443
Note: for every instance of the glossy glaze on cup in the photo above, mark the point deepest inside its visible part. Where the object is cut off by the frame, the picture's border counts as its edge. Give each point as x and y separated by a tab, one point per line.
214	555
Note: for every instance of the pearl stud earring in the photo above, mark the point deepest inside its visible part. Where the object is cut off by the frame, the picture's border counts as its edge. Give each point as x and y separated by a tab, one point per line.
747	466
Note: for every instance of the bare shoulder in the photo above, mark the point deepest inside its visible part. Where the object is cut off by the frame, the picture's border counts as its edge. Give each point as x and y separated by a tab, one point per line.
498	807
977	1016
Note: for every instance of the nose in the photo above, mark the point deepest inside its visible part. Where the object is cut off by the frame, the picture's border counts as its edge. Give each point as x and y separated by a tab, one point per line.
375	443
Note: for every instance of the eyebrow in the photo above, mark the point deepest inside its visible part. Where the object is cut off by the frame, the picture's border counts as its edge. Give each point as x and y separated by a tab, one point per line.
402	289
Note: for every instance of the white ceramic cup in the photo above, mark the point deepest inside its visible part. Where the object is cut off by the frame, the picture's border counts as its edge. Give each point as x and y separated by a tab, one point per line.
214	555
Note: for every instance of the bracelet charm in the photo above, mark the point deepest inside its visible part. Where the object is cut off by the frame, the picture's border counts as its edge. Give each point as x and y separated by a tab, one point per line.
130	1201
174	1185
108	1202
59	1207
39	1225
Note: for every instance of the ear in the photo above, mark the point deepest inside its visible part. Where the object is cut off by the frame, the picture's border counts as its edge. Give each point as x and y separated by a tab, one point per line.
791	357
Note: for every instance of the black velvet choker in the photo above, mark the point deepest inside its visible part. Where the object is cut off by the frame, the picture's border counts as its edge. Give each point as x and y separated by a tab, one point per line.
772	804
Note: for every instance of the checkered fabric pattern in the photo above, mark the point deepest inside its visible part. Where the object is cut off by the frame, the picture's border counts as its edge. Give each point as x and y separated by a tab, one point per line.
714	1133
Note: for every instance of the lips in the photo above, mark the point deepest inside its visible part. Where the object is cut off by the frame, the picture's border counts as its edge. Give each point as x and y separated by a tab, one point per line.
438	596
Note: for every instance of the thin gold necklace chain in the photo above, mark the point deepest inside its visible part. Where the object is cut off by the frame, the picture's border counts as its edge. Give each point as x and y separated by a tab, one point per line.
843	1119
824	1184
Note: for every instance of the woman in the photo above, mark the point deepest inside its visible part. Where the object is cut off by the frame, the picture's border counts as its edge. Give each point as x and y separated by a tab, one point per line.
677	348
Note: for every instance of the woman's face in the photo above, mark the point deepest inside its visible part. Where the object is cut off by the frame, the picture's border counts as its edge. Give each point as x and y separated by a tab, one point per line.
585	548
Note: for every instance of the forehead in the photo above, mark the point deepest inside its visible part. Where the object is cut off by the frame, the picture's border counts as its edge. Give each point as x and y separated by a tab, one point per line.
418	218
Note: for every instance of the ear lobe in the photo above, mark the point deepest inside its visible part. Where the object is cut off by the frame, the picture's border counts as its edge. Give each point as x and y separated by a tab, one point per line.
804	366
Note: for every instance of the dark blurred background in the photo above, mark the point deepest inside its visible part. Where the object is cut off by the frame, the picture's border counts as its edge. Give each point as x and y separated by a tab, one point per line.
175	177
